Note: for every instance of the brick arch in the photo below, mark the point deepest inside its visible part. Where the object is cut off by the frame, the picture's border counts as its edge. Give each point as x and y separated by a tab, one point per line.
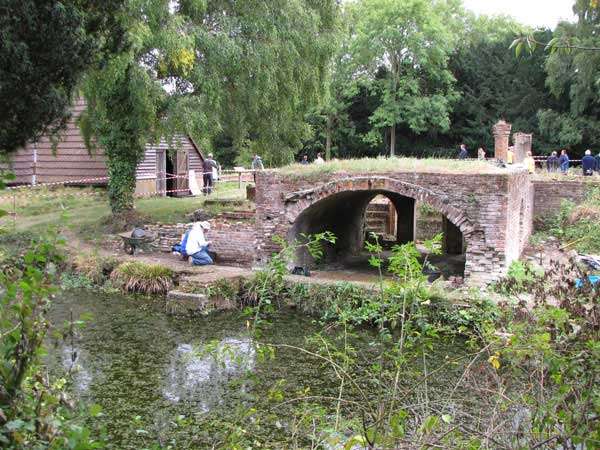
298	202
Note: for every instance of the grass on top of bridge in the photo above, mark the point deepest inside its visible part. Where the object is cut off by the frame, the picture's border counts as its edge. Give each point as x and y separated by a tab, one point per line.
389	164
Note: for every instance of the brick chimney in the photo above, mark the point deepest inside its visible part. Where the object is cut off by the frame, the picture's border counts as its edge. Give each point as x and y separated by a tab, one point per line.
501	134
522	145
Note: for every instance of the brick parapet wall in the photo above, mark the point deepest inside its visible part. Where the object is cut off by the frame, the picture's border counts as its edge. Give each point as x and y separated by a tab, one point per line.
549	194
478	203
232	236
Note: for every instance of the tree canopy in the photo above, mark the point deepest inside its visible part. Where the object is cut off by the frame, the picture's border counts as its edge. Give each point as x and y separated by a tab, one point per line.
402	49
252	67
44	49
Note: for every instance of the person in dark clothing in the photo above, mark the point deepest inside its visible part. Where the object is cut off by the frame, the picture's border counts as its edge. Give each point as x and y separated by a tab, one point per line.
463	153
588	164
257	164
552	163
304	160
598	163
208	166
564	161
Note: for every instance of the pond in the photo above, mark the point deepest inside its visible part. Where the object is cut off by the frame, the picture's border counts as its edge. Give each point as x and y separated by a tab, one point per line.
155	384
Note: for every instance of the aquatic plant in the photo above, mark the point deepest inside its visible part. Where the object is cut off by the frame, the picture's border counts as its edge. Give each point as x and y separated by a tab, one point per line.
135	276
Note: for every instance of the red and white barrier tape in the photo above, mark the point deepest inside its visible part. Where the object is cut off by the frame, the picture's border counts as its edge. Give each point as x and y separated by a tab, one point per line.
57	183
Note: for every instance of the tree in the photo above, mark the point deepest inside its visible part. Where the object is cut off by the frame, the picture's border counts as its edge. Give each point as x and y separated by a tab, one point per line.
493	84
331	114
249	67
402	48
572	73
573	76
45	47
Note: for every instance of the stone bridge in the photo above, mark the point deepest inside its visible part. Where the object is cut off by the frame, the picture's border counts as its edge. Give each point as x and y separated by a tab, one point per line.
488	214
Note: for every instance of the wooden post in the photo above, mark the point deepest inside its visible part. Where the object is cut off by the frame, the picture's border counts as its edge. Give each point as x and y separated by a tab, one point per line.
240	179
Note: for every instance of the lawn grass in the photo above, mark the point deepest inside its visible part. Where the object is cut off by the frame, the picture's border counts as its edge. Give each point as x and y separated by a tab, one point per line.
574	174
85	210
399	164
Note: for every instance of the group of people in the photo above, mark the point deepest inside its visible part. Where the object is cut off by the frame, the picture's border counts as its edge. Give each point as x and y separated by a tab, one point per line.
318	160
554	162
589	163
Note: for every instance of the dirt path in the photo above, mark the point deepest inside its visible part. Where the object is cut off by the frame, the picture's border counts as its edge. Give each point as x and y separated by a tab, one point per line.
197	274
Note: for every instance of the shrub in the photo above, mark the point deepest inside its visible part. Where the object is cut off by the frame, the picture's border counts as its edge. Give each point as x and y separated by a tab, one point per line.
94	267
71	280
143	278
577	225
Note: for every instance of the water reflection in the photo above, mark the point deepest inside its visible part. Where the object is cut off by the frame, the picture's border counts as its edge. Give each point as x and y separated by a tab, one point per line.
72	361
201	372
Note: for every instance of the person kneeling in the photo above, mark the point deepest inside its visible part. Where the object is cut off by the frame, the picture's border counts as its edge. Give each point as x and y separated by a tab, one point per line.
196	246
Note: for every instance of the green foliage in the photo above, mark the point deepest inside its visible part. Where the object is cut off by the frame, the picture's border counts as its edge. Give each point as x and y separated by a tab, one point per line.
135	276
45	48
554	349
71	280
577	225
263	293
494	84
403	48
519	278
122	116
34	411
224	64
572	79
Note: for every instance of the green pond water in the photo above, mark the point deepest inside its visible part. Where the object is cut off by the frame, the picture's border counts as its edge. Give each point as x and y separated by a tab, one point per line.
144	369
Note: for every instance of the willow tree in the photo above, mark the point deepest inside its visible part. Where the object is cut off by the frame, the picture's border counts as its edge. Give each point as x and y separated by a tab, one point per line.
401	47
251	67
267	63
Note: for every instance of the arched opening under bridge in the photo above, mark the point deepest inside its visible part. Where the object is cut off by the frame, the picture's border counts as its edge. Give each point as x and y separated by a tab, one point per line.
392	215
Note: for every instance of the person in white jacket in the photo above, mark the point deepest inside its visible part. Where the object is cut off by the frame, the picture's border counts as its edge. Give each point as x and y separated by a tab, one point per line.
196	246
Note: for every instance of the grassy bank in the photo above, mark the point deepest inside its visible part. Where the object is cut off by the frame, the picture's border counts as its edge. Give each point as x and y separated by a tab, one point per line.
86	209
381	164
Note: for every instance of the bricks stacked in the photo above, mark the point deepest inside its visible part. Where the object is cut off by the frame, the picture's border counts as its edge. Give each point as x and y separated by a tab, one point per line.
232	236
492	210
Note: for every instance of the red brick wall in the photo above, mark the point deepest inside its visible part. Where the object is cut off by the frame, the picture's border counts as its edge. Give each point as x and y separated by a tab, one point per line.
549	194
486	207
232	237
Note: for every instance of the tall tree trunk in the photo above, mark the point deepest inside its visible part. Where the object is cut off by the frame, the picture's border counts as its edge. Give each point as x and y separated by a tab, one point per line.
328	139
121	184
393	140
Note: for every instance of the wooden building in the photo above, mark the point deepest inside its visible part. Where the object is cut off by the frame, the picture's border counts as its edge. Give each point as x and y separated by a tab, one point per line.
70	161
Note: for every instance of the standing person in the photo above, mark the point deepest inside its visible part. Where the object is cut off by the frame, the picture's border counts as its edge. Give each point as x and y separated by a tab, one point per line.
463	153
196	246
588	164
257	164
304	160
208	167
552	163
481	153
563	161
319	160
510	155
529	163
